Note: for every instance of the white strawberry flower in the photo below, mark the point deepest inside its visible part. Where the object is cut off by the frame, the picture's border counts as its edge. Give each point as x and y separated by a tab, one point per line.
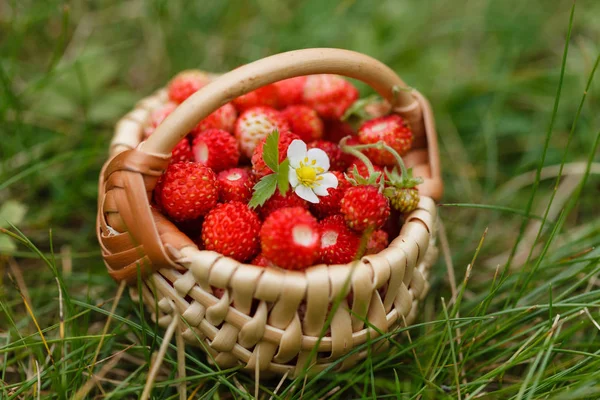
308	175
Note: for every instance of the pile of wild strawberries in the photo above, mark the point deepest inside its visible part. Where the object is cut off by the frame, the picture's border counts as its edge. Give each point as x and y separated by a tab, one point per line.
346	194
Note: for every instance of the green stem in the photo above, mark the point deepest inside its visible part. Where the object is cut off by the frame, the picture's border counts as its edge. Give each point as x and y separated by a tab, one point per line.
381	145
354	150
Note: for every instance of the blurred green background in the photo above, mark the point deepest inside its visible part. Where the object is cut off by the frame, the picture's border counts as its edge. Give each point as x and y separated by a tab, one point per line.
69	70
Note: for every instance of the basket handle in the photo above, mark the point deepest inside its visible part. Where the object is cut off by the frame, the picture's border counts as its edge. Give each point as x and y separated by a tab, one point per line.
275	68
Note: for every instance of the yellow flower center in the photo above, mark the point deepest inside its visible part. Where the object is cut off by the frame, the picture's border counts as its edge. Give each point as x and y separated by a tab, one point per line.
307	174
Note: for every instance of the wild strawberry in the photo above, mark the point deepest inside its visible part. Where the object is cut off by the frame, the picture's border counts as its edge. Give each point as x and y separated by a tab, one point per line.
402	188
255	124
290	238
223	118
377	242
216	149
339	244
232	229
330	204
338	160
291	90
278	201
405	199
182	151
329	95
261	261
235	184
304	122
364	207
336	130
185	84
265	96
393	130
259	168
187	191
157	116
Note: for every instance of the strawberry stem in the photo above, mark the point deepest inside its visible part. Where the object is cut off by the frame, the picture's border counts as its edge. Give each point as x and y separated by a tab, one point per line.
354	150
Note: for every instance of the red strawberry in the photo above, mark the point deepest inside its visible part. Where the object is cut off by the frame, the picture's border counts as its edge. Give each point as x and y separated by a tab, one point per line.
185	84
330	204
182	151
223	118
264	96
259	168
338	160
377	242
336	130
291	90
232	229
304	122
186	191
339	244
261	261
157	116
363	170
329	95
364	207
290	238
235	184
393	130
255	124
278	201
216	149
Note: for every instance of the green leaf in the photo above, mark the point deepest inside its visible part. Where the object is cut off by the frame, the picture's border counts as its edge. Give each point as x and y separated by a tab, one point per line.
283	176
264	189
11	212
271	151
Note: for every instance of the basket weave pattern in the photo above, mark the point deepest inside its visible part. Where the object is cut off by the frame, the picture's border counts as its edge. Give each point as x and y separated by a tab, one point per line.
267	319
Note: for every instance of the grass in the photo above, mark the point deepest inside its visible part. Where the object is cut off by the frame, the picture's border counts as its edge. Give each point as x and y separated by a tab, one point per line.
514	308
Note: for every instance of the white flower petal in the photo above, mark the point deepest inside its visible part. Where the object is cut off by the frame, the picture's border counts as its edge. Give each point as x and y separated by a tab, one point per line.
293	178
296	152
320	190
306	193
320	157
329	180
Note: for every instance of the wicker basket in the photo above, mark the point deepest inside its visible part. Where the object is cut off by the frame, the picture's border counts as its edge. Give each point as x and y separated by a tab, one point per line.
257	322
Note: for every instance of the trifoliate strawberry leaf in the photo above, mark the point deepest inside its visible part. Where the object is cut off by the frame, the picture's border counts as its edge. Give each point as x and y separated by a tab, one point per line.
271	151
264	189
283	177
